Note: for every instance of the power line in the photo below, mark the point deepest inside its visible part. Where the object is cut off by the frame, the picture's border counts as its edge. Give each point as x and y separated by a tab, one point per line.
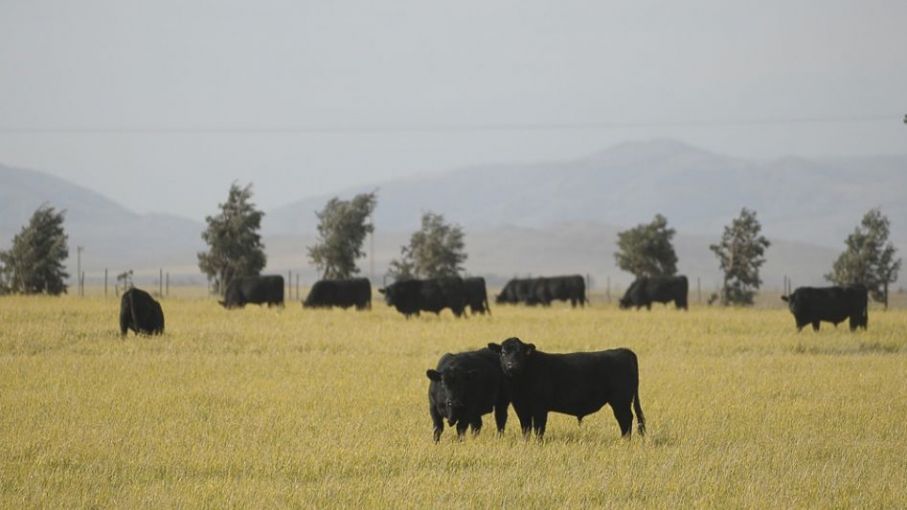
436	128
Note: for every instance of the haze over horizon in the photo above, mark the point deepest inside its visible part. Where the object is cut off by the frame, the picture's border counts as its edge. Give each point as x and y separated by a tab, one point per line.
160	106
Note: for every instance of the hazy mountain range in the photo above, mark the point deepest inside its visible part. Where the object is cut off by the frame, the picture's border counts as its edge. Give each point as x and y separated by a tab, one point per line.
541	218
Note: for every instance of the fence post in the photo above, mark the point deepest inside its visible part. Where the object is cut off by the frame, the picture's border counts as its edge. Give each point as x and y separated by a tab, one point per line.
168	284
698	291
297	285
160	283
105	282
608	288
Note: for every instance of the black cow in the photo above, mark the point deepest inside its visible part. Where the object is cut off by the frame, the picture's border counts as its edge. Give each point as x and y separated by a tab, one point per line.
517	290
465	386
410	297
577	384
810	305
661	289
343	293
543	290
140	313
257	290
476	295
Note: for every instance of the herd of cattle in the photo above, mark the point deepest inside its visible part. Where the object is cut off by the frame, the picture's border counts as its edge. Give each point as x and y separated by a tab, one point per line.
465	386
140	313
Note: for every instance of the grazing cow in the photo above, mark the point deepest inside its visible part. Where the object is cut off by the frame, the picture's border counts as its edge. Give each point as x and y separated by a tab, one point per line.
544	290
257	290
343	293
465	386
810	305
140	313
577	384
410	297
517	290
476	295
661	289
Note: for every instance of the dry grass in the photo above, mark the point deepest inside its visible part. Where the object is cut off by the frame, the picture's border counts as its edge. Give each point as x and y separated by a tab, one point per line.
271	408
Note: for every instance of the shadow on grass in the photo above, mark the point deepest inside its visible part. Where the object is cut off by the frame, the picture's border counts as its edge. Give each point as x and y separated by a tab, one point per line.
850	348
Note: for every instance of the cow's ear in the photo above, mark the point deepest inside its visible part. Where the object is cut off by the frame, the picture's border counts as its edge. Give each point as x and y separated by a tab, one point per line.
434	375
493	347
784	298
382	291
530	348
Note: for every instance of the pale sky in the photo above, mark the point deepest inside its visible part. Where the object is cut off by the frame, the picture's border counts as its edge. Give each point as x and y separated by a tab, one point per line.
160	105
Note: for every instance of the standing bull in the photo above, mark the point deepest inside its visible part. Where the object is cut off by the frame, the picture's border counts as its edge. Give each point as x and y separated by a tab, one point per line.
811	305
463	387
577	384
660	289
343	293
258	290
410	297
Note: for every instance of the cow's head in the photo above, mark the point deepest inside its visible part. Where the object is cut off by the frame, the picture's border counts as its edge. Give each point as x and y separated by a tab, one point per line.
514	355
792	302
456	381
388	294
624	303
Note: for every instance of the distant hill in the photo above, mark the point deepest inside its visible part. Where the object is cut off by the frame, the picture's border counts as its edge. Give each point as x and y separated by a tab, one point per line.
546	218
113	236
817	202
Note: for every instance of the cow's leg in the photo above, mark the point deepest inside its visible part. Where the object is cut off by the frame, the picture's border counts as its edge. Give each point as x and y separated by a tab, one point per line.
462	425
815	325
539	420
500	416
649	306
624	417
853	323
525	417
438	422
476	425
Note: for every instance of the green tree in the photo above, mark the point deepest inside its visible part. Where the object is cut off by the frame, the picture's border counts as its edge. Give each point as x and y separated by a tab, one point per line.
741	254
234	244
646	249
436	250
342	227
34	263
869	258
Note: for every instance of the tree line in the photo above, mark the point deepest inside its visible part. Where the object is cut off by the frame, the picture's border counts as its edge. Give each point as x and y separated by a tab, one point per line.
34	263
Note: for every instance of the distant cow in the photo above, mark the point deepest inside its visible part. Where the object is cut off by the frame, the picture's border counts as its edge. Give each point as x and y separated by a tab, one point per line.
660	289
810	305
259	290
517	290
543	290
140	313
476	295
577	384
410	297
343	293
465	386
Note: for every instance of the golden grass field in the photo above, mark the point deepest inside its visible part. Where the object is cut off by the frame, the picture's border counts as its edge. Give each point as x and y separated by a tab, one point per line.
264	408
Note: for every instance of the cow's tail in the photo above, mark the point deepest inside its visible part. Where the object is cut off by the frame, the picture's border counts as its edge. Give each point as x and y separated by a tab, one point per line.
640	419
637	407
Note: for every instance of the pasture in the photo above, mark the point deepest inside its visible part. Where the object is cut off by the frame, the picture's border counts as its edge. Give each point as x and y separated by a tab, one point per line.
261	408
